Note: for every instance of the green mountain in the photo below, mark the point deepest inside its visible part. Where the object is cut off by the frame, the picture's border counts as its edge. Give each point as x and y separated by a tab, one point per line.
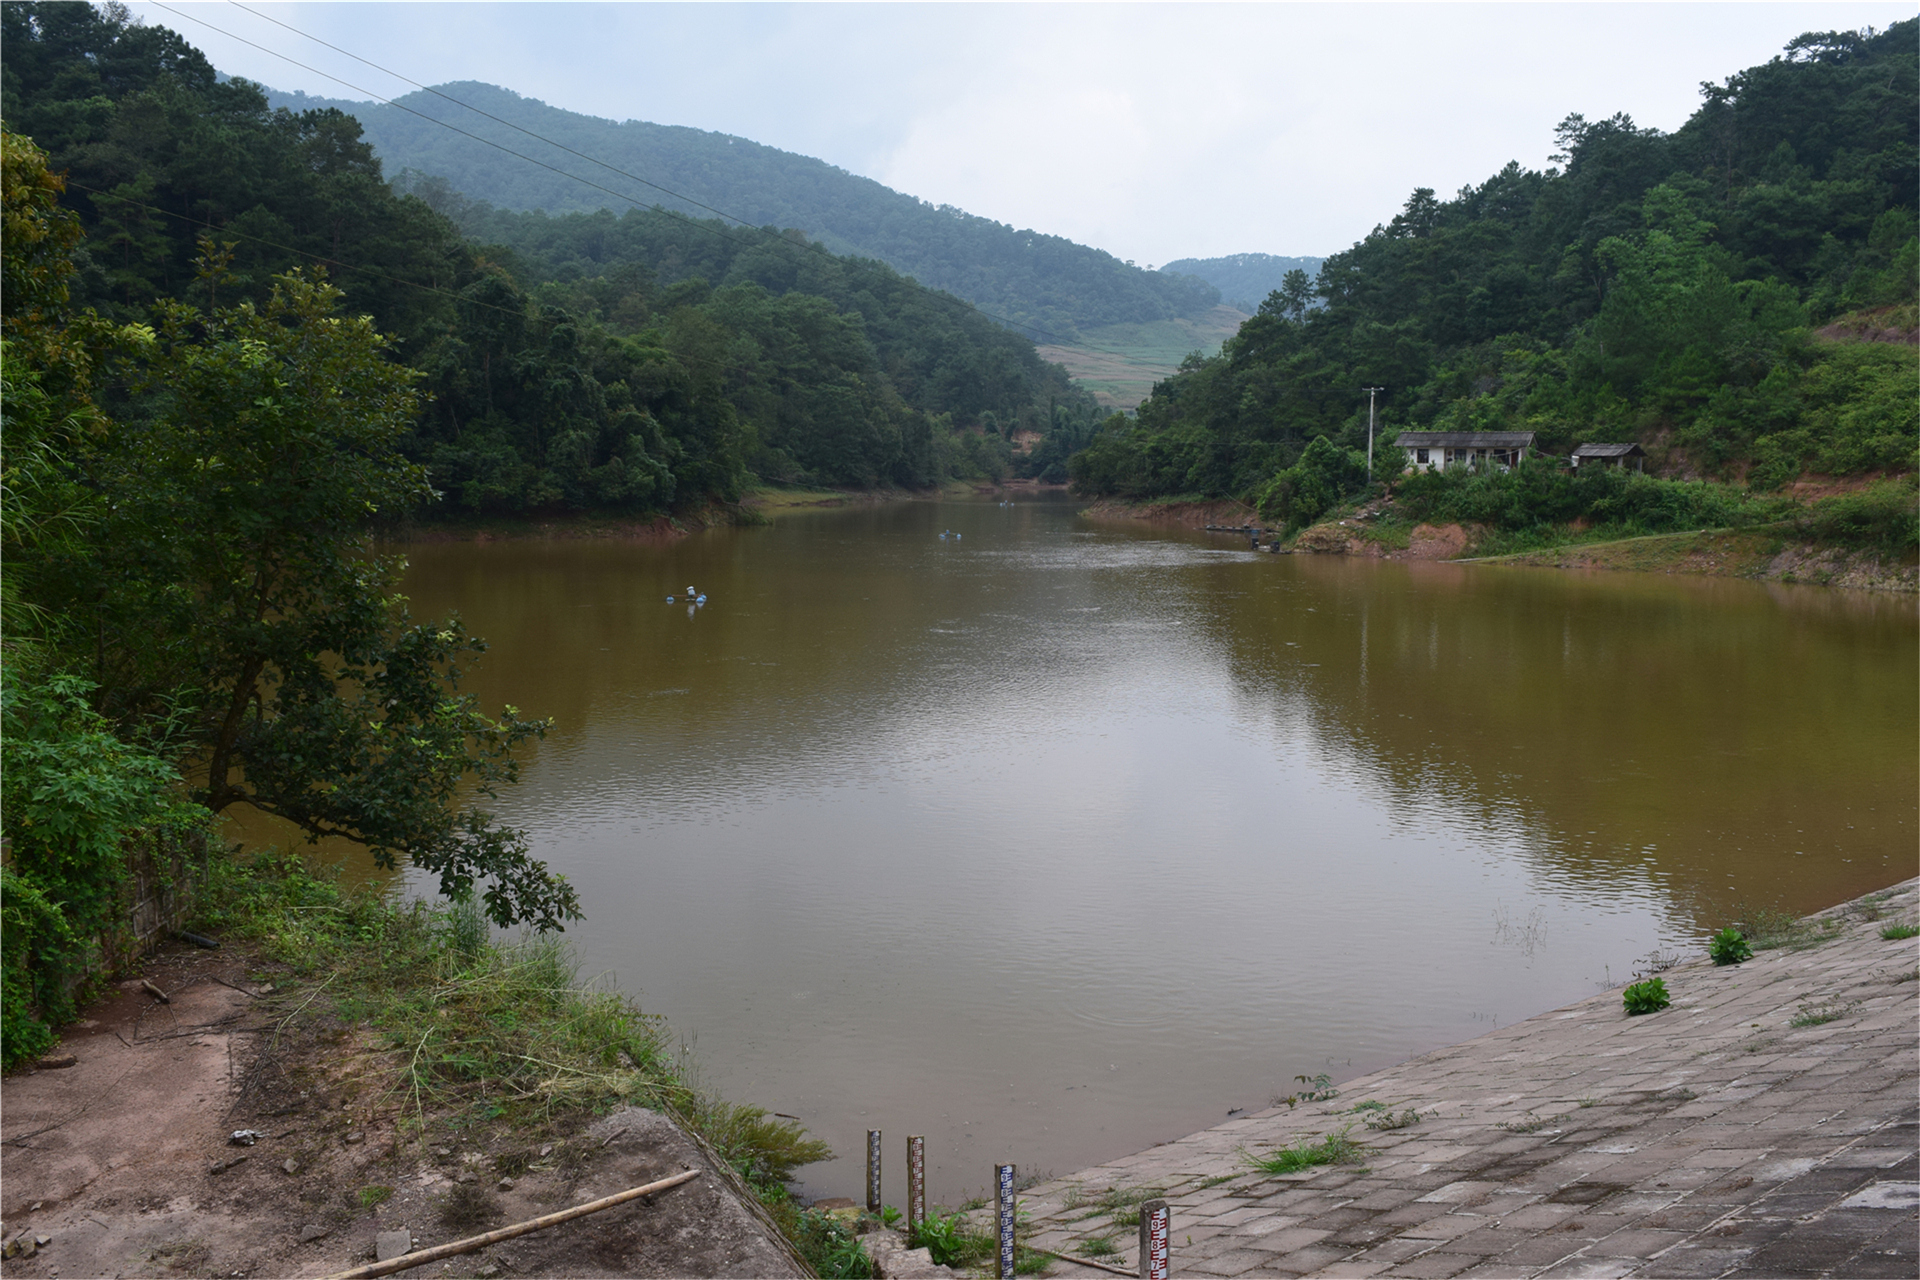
1047	284
630	365
1692	291
1244	279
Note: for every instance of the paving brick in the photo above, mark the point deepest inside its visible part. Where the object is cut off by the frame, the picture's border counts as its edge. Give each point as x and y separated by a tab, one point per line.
1694	1263
1235	1262
1745	1176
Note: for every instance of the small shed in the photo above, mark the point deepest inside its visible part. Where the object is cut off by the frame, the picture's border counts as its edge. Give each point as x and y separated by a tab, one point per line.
1432	450
1630	456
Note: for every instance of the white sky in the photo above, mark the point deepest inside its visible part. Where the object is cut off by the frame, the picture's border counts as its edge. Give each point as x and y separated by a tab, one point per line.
1154	131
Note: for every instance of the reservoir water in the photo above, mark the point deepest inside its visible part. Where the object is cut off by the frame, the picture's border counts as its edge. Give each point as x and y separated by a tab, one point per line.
1058	839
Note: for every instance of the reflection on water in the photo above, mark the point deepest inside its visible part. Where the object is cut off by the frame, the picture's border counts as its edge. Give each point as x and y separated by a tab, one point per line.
1059	839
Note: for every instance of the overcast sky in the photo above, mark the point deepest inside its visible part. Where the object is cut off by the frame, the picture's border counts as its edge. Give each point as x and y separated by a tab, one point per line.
1154	131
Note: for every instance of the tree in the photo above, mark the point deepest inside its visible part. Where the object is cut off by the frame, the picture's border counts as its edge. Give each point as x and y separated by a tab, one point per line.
234	611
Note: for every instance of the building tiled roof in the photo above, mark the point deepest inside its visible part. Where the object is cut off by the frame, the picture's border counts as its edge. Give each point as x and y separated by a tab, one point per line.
1465	439
1609	451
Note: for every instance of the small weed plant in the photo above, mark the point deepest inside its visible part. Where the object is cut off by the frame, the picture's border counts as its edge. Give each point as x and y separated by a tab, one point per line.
1648	996
1895	932
1335	1148
1730	946
951	1241
1319	1088
1385	1120
832	1250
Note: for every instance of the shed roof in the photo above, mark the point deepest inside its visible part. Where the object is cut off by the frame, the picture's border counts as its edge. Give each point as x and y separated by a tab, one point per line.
1609	451
1465	439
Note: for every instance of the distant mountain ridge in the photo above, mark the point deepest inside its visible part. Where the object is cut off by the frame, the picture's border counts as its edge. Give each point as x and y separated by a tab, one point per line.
1244	279
1045	283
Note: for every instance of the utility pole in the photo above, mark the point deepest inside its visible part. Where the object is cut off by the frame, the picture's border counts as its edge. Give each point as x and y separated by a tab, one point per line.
1371	393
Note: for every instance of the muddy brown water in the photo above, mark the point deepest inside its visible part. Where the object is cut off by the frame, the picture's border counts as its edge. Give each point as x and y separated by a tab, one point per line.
1058	839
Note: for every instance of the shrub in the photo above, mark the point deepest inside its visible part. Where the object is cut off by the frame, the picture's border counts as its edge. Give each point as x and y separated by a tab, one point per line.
74	799
1730	946
1324	475
1649	996
1883	518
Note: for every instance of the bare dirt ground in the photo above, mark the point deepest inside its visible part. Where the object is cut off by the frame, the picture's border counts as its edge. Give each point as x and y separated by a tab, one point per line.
1186	515
124	1164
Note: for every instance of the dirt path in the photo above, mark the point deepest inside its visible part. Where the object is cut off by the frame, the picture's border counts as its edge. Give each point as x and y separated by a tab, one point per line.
123	1161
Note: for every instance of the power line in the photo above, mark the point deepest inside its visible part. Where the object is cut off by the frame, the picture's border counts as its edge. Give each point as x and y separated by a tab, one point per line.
785	245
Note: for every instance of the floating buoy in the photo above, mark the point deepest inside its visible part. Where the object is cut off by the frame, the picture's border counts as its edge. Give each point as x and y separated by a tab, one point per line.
699	599
669	599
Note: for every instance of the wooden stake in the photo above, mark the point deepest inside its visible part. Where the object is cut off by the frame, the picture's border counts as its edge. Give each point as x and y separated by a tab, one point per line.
407	1261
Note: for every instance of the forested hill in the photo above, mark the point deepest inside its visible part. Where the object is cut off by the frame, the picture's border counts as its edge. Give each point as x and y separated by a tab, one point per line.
1244	279
666	372
1689	291
1037	280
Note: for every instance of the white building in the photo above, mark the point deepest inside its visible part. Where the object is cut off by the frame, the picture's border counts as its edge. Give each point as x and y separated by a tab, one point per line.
1433	450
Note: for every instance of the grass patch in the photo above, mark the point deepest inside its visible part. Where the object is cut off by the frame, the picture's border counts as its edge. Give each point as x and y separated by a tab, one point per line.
1895	932
1529	1123
482	1033
1335	1148
1386	1120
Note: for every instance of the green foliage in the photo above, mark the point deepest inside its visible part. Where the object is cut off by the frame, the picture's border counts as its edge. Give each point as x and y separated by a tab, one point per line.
1537	497
1653	287
765	1150
75	801
629	365
213	569
1729	946
952	1241
1334	1148
829	1248
1647	996
1895	932
1883	518
1325	474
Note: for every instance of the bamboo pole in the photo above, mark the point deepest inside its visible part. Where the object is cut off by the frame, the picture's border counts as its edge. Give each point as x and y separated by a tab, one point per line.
407	1261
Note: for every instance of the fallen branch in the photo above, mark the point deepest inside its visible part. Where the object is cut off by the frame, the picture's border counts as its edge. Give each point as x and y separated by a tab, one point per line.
155	992
407	1261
